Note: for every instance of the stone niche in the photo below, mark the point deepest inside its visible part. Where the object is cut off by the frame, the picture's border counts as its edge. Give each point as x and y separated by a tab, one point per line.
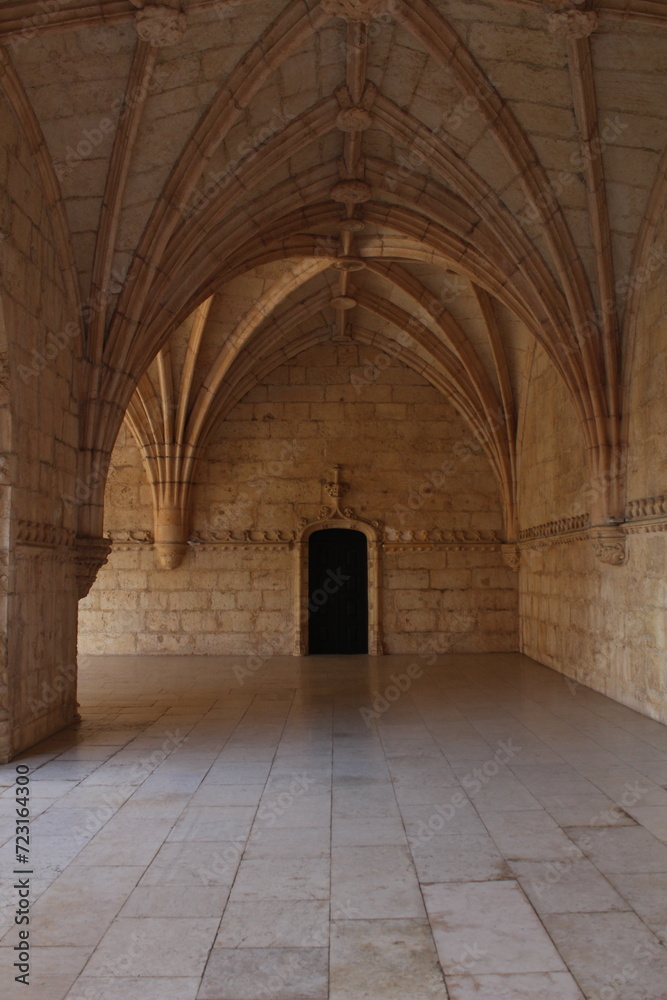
437	575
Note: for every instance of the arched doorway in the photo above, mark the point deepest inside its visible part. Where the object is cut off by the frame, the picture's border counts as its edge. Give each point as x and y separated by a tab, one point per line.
337	591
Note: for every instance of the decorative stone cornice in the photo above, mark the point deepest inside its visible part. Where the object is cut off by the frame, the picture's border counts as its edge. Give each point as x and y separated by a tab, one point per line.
360	10
572	23
44	536
647	514
425	540
129	538
91	555
646	507
608	542
392	540
160	26
564	526
249	538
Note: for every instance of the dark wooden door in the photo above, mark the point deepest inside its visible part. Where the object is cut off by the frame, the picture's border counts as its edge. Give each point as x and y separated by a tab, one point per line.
337	591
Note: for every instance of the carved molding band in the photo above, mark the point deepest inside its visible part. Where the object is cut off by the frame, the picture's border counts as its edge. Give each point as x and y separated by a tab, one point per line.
128	538
251	536
390	539
564	526
453	539
608	542
46	536
647	514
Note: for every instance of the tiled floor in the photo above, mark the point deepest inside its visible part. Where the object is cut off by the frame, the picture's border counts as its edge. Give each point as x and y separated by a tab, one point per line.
331	827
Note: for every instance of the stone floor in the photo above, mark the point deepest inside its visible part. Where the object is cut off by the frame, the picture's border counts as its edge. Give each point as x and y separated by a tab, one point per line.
337	827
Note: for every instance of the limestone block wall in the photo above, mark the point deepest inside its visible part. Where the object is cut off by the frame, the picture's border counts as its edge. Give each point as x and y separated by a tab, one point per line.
601	625
553	475
604	626
647	380
393	435
38	440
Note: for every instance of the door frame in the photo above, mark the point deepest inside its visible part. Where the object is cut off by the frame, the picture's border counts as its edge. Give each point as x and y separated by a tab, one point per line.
374	550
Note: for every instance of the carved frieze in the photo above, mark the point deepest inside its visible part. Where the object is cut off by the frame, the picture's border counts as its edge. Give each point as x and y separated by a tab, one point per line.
125	538
43	535
646	514
553	529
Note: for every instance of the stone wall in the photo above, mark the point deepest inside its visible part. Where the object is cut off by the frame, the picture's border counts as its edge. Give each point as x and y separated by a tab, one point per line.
646	378
39	440
392	433
602	625
553	474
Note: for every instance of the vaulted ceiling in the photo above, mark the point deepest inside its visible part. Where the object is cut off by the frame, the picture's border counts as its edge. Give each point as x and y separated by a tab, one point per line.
453	181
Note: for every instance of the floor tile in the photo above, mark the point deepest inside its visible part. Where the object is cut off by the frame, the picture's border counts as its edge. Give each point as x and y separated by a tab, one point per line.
458	859
60	916
570	885
528	835
647	895
172	901
153	946
612	953
288	842
488	927
139	988
376	882
212	823
367	832
215	852
524	986
275	924
384	960
290	879
194	863
622	849
258	973
653	819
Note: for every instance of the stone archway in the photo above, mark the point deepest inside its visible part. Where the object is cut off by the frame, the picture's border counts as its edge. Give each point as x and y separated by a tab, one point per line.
345	520
337	592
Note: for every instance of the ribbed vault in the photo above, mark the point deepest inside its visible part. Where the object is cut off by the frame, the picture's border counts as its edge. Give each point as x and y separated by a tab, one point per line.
363	170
